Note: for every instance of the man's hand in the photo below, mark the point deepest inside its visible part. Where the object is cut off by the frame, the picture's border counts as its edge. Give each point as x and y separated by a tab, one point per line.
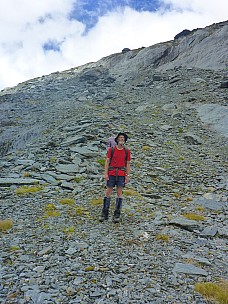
127	178
106	177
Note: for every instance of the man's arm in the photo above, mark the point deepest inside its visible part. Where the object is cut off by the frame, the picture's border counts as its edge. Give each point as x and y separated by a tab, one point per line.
127	172
106	168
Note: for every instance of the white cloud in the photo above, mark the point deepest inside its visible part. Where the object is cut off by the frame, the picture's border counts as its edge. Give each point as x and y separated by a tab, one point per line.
23	34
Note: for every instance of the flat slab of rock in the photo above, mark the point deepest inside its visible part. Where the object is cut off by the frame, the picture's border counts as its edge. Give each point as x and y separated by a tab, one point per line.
209	231
212	204
71	168
185	223
85	151
74	140
189	269
17	181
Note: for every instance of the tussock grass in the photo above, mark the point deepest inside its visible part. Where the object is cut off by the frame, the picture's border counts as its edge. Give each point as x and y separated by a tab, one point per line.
81	211
194	216
77	179
200	208
146	148
6	224
50	210
14	248
67	201
69	230
216	292
28	189
96	202
26	174
130	192
101	161
162	237
52	159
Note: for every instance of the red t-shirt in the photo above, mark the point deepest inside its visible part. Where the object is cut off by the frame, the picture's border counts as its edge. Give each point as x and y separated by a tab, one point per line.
118	160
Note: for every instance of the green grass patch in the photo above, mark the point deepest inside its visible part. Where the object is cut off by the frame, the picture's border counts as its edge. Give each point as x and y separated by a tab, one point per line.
101	161
6	224
96	202
130	192
52	159
28	189
67	201
50	210
162	237
216	292
194	216
14	248
69	230
146	148
77	179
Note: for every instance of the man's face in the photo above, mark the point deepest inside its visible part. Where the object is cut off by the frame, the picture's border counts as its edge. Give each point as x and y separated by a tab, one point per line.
121	140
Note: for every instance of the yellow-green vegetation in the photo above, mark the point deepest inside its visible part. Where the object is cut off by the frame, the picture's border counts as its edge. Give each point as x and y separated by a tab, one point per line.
81	211
90	268
194	216
52	159
67	201
101	161
77	179
131	192
69	230
96	202
146	148
162	237
14	248
50	210
189	199
6	224
200	208
28	189
26	174
216	292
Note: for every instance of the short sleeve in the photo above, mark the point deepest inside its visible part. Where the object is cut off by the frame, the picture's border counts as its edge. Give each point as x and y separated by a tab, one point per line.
129	155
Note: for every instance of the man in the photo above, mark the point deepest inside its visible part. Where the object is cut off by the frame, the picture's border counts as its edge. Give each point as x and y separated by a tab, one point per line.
117	173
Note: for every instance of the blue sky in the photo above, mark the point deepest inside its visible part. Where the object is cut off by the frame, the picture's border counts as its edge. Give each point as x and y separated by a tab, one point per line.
89	11
39	37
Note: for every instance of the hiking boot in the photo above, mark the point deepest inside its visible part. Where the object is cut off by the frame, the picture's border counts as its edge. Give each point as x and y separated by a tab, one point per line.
116	218
105	210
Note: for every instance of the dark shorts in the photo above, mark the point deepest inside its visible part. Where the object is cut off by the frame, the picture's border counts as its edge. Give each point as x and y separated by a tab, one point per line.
118	181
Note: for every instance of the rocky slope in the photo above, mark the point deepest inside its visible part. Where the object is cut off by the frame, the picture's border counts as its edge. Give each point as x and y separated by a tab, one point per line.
53	134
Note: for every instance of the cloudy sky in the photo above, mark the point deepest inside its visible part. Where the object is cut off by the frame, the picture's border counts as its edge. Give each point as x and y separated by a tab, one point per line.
38	37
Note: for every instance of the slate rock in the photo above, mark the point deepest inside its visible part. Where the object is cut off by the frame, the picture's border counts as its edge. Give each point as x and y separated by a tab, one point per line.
17	181
209	231
185	223
192	139
85	151
189	269
67	185
211	204
74	140
69	168
223	232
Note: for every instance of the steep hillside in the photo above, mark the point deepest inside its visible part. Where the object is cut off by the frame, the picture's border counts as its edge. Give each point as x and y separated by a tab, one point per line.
171	99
